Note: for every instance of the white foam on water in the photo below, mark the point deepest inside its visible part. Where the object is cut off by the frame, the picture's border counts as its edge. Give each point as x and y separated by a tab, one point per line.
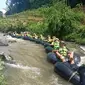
58	81
10	39
82	60
82	57
83	48
19	66
20	40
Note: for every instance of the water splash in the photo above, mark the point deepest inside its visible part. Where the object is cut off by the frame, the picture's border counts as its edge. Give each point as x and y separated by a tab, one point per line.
83	48
19	66
58	80
11	39
82	60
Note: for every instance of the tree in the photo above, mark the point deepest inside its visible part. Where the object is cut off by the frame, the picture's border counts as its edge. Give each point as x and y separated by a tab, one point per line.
73	3
62	21
16	6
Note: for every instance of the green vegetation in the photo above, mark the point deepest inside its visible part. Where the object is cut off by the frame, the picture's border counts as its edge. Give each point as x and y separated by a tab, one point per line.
2	78
64	22
57	19
1	14
47	17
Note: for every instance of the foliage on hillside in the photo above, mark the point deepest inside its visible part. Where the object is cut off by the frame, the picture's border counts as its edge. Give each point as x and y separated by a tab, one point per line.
63	21
1	14
58	19
21	22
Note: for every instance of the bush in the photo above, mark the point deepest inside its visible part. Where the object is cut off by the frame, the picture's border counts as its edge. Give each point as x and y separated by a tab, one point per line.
63	21
37	27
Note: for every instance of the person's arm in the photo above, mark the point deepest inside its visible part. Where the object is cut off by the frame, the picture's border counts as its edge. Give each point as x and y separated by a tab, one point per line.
60	56
52	43
71	57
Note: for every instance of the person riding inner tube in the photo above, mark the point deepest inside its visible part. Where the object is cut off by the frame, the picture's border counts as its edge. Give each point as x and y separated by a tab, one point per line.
35	36
49	40
28	34
42	37
63	53
55	44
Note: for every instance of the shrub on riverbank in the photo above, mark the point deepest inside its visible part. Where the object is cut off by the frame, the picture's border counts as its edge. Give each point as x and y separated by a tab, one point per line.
63	21
8	24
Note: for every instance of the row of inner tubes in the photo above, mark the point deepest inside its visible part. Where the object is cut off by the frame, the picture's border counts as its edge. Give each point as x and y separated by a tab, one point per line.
72	73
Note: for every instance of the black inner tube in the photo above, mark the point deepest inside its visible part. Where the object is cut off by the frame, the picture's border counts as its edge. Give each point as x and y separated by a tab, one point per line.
66	73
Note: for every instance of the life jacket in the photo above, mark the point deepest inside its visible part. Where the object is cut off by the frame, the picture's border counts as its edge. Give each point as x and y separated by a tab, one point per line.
56	45
49	39
36	37
42	37
29	35
63	51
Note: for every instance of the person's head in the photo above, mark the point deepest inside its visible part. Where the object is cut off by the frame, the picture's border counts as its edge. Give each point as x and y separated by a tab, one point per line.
62	43
34	34
56	39
49	36
41	35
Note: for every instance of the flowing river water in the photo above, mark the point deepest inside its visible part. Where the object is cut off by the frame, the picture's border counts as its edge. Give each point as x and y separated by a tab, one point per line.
31	66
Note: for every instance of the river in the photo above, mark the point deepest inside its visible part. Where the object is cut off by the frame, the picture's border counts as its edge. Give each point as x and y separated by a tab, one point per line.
31	66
